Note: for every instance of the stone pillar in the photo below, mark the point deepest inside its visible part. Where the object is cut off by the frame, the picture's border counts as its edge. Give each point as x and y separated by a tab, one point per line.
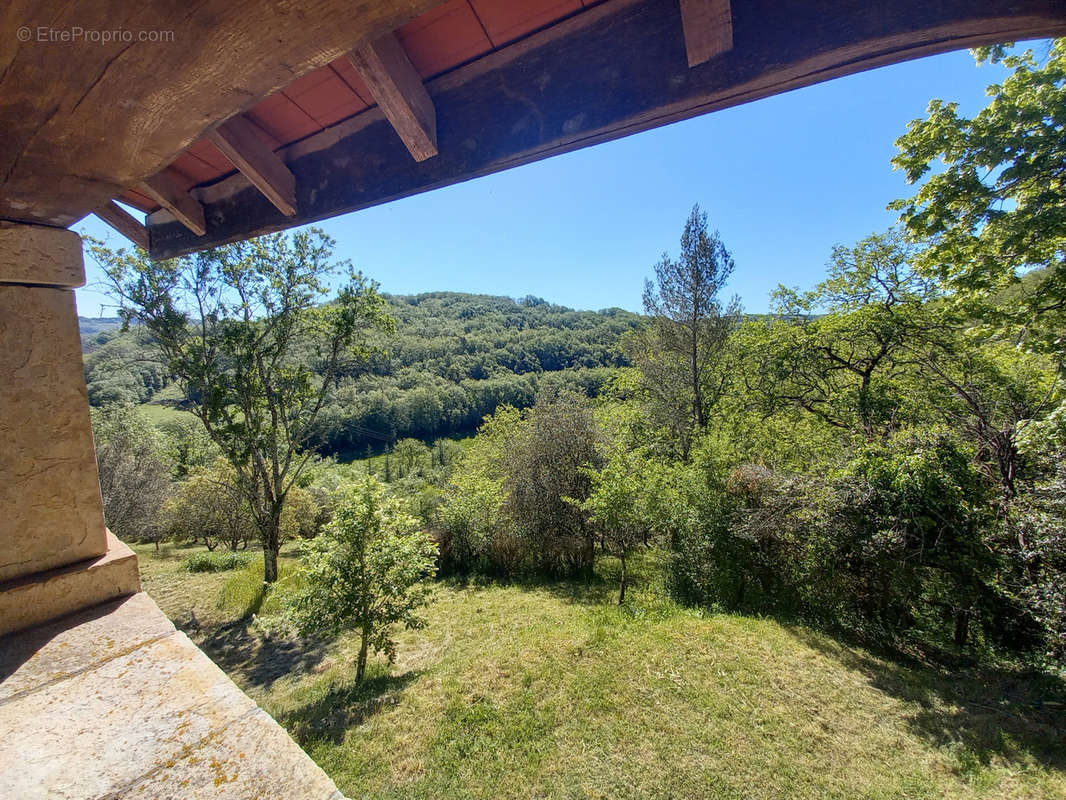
56	556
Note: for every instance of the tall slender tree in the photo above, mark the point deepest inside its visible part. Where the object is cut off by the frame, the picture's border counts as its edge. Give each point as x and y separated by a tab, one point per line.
691	324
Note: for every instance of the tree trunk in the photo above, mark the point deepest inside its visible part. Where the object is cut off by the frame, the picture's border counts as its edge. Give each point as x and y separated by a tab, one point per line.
622	586
962	626
360	665
272	544
697	395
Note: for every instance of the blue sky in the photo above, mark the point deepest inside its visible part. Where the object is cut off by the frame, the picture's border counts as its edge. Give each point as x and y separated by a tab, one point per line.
783	180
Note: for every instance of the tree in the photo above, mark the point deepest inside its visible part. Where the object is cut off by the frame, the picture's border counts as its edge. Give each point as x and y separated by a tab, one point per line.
618	501
134	475
998	208
242	330
994	393
187	445
545	469
690	324
843	351
209	507
411	455
366	572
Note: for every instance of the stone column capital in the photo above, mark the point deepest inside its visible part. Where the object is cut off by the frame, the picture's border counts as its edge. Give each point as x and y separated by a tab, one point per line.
37	255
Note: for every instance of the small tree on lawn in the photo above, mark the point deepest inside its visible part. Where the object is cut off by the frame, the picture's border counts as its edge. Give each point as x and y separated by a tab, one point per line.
618	502
367	572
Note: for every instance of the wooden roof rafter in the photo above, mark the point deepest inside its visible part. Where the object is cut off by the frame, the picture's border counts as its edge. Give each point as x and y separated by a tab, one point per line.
165	189
708	28
241	144
123	222
397	88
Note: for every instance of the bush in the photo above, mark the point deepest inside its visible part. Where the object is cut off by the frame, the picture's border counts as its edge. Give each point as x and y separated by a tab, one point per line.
898	543
366	573
216	562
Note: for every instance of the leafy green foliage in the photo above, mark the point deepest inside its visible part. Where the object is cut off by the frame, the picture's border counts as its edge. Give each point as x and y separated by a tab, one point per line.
457	358
996	209
366	572
124	369
849	365
209	507
216	562
134	472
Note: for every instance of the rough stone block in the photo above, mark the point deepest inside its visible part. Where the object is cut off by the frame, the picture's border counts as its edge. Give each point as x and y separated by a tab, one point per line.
40	255
52	513
45	596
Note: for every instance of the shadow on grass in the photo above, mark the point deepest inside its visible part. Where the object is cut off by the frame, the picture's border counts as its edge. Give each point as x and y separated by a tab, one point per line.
978	713
593	590
239	648
596	587
344	706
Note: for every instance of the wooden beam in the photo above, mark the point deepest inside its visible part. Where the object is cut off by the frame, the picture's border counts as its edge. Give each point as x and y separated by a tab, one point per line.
115	216
83	120
398	90
708	26
616	69
165	190
239	142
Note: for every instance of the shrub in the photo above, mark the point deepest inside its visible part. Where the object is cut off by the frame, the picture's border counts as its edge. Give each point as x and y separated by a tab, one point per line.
216	562
366	572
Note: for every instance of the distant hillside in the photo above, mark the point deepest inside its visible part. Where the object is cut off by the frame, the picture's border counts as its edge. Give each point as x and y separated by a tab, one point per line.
91	327
455	358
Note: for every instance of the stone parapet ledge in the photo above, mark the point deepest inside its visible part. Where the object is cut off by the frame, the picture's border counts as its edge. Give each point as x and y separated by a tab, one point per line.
34	599
114	703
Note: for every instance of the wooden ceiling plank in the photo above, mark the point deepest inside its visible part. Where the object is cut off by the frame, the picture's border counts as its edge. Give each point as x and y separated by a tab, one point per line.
165	190
117	217
708	27
239	142
398	90
84	121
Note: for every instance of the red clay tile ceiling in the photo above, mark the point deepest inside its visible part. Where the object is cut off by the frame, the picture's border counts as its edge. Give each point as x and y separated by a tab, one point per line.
448	36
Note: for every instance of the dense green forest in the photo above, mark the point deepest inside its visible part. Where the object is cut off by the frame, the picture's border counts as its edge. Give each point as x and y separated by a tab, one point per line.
454	358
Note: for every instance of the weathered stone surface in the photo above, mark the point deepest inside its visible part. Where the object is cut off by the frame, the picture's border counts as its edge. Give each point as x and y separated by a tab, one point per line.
40	255
254	757
45	596
78	642
114	703
49	488
99	731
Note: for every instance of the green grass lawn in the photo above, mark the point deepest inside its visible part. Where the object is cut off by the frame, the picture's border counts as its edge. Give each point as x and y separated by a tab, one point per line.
551	691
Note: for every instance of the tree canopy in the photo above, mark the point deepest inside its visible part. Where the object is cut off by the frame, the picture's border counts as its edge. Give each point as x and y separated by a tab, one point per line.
996	210
244	330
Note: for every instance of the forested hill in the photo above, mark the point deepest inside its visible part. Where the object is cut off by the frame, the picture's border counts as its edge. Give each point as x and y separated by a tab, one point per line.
91	327
455	357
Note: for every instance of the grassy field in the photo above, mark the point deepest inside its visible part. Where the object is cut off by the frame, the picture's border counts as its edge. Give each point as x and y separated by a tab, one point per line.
550	691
